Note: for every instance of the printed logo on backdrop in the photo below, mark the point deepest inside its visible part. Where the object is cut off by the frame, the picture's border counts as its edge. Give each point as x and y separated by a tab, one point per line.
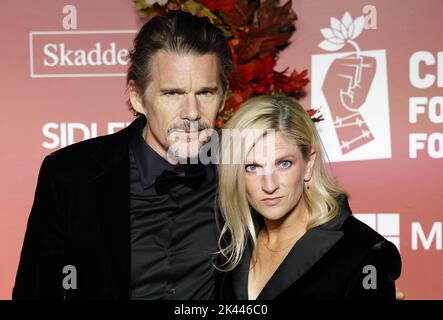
100	53
78	53
351	90
387	224
424	236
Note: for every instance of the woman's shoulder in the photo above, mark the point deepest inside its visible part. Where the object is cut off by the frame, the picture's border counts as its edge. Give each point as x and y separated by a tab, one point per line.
354	230
373	247
361	232
361	241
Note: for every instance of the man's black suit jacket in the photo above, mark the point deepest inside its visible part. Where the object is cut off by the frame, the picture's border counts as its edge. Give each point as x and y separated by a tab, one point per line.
78	218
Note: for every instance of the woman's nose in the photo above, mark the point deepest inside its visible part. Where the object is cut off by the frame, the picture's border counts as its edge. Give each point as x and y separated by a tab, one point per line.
269	182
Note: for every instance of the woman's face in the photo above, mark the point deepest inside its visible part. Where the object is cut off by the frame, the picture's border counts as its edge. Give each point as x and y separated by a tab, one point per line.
274	175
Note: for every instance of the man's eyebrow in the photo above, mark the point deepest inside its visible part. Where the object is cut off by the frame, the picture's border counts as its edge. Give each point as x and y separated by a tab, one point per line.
209	88
171	89
175	89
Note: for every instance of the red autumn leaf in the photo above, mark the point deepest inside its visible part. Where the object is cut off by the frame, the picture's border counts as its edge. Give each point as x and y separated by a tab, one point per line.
219	123
248	48
255	70
315	115
237	97
234	100
273	27
222	5
292	84
242	15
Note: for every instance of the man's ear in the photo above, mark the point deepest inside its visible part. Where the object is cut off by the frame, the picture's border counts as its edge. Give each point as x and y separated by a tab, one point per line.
310	166
225	96
136	97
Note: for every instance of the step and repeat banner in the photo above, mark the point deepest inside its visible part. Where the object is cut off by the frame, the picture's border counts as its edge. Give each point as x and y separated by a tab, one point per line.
376	70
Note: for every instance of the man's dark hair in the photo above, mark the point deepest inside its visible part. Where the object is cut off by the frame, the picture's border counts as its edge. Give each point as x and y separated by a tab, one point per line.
177	32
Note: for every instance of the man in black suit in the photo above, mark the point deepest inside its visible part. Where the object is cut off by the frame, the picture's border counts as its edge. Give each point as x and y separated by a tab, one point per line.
117	214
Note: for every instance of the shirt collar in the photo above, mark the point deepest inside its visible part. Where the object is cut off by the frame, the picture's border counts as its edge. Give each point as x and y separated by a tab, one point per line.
149	163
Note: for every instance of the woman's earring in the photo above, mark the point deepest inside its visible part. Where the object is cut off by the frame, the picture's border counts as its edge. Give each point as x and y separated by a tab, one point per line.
306	182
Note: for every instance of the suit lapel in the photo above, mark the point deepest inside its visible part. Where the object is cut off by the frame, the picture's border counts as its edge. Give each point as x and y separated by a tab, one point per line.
240	275
110	201
305	253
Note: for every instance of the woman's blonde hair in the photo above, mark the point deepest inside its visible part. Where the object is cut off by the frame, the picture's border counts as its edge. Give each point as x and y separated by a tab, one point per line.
284	115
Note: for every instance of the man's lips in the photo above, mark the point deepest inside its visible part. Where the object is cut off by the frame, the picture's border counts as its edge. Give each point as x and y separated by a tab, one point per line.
188	131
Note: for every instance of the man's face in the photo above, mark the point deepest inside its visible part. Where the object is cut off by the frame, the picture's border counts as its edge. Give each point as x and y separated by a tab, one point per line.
182	99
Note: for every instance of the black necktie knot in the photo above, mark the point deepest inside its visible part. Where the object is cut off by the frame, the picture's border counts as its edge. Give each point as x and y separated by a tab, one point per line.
191	175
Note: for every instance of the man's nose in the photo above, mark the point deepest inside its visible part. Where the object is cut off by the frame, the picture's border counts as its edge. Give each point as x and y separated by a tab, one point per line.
269	182
191	108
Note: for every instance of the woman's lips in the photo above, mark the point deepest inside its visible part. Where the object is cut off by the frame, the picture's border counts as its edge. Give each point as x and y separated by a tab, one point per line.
271	201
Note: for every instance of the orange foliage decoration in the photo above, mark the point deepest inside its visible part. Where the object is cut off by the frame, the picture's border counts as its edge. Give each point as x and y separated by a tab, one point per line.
256	31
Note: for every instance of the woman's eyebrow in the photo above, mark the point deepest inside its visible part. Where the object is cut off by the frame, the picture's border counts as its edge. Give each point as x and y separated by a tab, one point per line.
280	158
252	162
285	157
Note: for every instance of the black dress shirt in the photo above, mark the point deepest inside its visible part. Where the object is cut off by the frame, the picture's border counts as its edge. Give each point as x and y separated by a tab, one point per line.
173	235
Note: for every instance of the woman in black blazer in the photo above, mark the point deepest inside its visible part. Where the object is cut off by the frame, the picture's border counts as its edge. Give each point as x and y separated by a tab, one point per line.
288	230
